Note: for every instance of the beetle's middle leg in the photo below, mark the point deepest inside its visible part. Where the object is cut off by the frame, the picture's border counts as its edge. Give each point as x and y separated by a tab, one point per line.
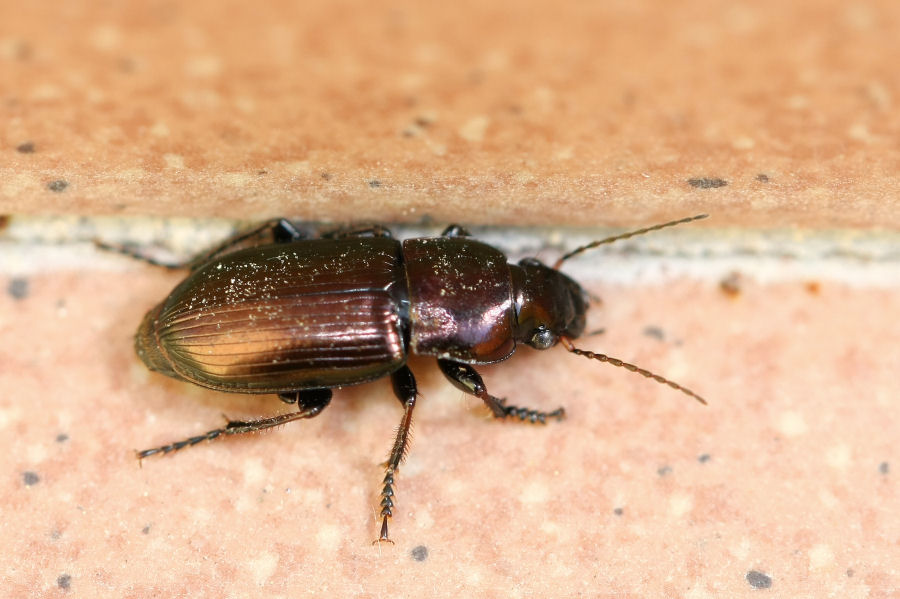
310	402
464	377
405	390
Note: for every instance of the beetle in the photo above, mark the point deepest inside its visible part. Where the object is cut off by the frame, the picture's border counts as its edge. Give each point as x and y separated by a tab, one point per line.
298	316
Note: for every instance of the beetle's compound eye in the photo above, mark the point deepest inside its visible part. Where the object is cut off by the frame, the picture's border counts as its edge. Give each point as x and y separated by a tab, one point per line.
542	338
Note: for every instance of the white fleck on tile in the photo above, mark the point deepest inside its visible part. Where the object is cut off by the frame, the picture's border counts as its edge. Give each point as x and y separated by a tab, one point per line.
175	161
839	456
262	567
328	538
159	129
820	556
203	66
792	424
743	143
680	504
535	492
106	37
474	129
236	179
254	472
301	167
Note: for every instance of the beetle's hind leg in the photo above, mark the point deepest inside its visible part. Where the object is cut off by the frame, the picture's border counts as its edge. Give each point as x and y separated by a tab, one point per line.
466	378
358	231
405	390
309	401
276	230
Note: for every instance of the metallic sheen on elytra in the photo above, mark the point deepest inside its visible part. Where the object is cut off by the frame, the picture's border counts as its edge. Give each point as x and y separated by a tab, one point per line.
334	312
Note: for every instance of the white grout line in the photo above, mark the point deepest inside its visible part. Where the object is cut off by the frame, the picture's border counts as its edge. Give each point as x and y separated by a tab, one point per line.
870	259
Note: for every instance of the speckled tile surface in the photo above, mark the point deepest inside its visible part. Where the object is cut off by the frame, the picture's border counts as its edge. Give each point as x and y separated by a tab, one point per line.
785	485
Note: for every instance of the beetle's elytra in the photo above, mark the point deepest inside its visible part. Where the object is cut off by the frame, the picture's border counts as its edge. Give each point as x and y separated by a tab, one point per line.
299	317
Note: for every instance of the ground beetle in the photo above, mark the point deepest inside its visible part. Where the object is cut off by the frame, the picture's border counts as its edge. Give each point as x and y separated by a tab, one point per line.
297	317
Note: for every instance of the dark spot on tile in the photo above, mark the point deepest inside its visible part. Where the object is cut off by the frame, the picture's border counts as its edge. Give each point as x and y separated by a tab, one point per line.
326	176
703	458
731	285
22	50
476	76
127	64
262	172
618	511
423	121
884	468
374	183
813	287
850	572
18	288
758	580
146	530
58	185
64	581
762	178
655	332
30	478
664	470
4	221
707	183
25	148
62	438
419	553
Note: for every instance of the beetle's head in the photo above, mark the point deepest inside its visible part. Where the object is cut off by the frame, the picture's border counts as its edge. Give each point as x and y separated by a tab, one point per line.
548	304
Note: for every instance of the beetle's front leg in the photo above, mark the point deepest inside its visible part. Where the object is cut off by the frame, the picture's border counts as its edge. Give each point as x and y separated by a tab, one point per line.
405	390
464	377
310	403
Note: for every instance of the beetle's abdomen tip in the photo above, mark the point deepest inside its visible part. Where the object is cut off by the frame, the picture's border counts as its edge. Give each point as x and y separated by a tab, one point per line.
147	346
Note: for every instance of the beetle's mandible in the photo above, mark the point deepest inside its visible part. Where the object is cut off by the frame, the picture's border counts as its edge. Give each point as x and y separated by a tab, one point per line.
298	317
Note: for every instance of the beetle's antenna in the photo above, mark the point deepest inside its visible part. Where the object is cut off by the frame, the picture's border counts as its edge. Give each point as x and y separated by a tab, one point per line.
567	343
594	244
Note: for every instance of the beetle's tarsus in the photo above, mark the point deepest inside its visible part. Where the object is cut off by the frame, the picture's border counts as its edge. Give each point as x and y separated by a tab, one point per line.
533	416
383	537
466	378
